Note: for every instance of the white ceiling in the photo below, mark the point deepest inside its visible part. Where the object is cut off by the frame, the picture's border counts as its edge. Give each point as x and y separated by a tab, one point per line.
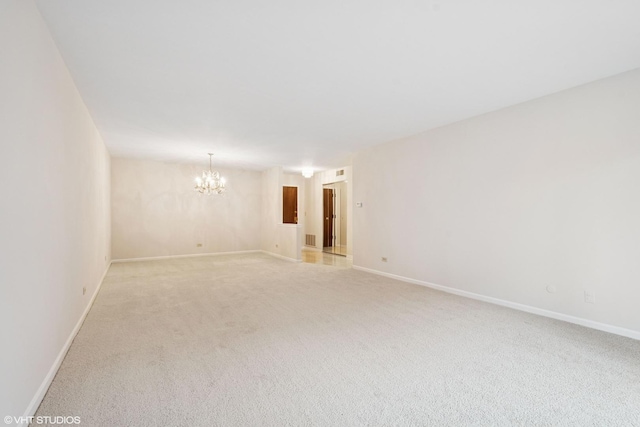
294	83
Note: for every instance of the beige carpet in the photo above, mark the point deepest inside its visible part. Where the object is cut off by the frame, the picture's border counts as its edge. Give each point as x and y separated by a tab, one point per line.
251	340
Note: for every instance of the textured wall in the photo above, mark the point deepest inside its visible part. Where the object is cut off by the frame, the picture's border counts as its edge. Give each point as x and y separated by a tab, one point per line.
541	194
155	211
55	226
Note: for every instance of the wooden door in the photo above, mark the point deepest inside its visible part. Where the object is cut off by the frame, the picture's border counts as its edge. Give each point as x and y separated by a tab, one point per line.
289	205
327	204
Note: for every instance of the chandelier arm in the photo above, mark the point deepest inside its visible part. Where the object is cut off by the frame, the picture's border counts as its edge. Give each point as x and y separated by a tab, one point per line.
211	181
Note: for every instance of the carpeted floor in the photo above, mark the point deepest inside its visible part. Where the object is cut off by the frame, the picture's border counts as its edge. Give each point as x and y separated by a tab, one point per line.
250	340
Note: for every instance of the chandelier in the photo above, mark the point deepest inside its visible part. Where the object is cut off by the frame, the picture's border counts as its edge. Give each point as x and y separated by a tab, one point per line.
211	181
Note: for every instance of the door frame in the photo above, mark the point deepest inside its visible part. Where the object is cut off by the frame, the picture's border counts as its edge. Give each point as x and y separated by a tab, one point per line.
337	210
297	208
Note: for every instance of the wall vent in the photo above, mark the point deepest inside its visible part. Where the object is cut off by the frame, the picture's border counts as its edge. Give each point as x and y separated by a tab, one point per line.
340	172
310	239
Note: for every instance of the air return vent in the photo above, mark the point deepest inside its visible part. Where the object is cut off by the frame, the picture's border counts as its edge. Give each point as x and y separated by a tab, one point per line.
340	172
310	239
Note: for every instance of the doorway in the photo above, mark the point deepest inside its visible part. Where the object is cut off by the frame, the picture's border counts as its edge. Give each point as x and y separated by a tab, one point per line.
289	205
334	215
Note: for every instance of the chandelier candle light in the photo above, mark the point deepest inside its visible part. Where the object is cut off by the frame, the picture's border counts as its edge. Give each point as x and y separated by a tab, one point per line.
211	181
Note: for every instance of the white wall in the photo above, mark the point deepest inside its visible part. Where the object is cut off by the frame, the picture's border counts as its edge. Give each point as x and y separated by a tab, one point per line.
54	214
311	214
545	193
344	212
156	212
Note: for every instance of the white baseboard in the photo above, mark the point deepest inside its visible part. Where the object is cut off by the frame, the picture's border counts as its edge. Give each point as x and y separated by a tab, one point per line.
152	258
629	333
311	249
281	256
42	390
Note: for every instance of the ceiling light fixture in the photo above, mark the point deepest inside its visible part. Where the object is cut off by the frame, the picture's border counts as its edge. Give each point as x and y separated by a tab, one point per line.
211	181
307	173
